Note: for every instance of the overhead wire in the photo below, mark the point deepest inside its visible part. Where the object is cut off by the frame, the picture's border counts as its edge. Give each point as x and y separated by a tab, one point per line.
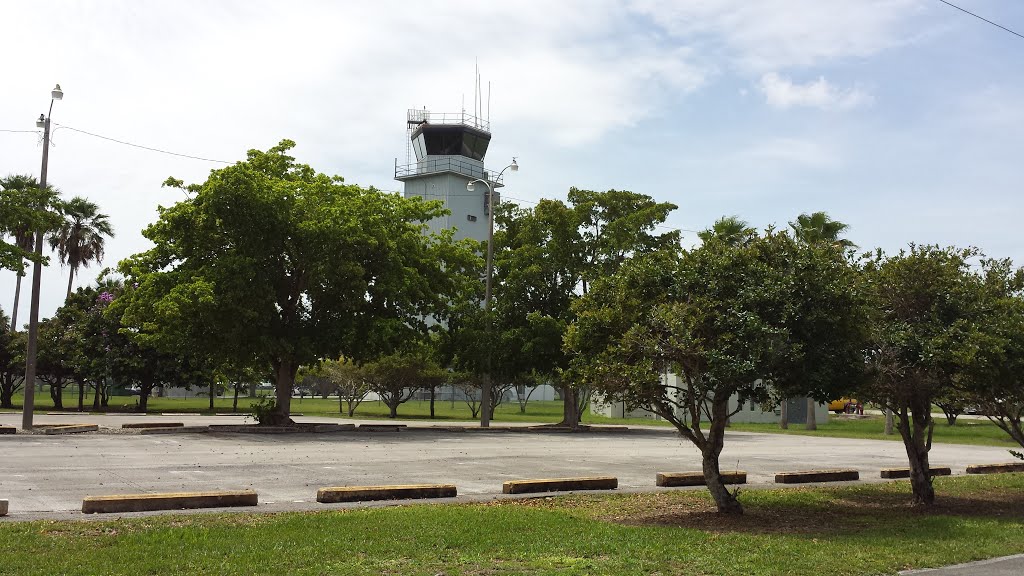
150	148
965	11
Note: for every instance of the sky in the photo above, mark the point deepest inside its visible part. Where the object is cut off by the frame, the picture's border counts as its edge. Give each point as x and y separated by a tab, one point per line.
901	118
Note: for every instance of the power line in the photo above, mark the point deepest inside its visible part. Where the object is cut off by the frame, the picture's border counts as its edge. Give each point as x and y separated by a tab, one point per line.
24	131
981	18
151	149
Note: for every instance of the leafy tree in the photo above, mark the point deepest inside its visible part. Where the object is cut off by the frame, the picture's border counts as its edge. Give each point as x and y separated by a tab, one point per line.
81	237
682	332
269	257
925	330
995	377
12	362
819	227
54	361
350	382
729	229
396	377
24	209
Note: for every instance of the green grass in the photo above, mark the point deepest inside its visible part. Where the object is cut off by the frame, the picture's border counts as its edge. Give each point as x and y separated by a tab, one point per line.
975	432
536	410
866	529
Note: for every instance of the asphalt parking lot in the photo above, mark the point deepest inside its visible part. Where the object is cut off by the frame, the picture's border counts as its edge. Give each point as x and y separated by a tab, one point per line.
47	476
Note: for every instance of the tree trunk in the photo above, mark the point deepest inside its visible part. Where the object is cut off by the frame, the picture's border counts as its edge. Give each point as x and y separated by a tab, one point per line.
96	397
710	453
234	403
71	281
784	415
393	409
81	396
432	391
17	296
144	392
284	384
888	421
213	390
916	431
570	409
57	396
812	418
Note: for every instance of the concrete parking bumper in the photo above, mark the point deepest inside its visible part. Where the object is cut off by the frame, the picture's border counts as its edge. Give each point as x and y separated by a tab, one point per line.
168	501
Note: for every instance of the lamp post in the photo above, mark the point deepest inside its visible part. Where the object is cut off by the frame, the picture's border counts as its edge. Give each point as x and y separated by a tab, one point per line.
485	393
37	269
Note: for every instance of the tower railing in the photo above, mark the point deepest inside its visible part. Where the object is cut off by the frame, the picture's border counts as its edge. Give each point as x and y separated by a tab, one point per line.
447	164
417	117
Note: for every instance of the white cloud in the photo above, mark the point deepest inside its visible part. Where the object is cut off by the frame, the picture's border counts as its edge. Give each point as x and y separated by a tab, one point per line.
765	35
802	152
783	93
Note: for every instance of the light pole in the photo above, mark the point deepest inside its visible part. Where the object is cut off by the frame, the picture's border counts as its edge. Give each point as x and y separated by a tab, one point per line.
37	269
485	393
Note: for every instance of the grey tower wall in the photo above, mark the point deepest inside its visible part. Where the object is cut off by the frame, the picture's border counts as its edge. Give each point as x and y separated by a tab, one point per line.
465	206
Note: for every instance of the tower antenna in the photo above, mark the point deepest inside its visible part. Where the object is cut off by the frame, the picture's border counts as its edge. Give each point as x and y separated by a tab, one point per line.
488	104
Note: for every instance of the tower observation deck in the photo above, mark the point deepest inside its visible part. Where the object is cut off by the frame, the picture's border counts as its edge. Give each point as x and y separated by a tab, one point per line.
449	151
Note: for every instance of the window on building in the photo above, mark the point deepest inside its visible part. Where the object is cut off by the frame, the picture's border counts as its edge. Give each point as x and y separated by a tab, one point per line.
470	217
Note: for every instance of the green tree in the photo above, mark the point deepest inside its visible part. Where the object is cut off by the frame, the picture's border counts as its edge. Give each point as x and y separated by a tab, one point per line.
24	209
681	333
994	381
396	377
12	362
819	227
269	257
81	237
927	306
729	229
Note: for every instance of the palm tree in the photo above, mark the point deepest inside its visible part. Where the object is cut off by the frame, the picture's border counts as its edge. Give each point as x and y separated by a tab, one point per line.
80	239
819	227
729	229
24	236
813	229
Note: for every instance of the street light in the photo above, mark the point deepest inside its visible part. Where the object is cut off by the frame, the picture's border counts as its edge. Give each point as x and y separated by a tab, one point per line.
37	269
485	395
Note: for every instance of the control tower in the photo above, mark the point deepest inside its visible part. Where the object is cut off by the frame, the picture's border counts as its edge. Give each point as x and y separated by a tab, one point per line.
449	151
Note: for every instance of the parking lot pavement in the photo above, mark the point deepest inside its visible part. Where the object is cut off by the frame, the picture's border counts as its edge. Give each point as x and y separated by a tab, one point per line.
1006	566
44	474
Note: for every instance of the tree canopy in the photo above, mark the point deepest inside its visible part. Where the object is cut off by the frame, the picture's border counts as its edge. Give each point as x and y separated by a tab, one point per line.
272	259
694	335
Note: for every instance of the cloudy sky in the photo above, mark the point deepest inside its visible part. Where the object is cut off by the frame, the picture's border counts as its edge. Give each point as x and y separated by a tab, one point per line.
903	118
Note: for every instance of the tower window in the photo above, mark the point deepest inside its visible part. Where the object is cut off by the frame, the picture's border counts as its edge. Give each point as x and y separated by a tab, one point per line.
470	217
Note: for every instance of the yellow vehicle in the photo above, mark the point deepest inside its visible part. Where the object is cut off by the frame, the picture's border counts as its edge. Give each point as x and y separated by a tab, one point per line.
842	405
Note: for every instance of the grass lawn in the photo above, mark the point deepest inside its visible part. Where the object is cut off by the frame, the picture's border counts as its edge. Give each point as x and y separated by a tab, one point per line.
536	410
976	432
865	529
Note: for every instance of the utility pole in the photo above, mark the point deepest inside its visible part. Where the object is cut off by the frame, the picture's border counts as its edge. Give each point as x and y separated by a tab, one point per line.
37	270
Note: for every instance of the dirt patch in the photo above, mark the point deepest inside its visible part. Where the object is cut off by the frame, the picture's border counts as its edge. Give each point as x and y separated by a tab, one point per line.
845	513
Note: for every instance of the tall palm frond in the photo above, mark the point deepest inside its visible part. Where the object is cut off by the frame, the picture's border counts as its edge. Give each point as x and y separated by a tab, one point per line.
81	238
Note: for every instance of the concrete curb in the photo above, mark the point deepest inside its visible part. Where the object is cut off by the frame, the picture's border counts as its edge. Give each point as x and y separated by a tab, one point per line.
393	492
167	501
834	475
964	566
153	425
892	473
3	507
560	484
382	427
176	430
70	429
304	429
674	479
996	468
